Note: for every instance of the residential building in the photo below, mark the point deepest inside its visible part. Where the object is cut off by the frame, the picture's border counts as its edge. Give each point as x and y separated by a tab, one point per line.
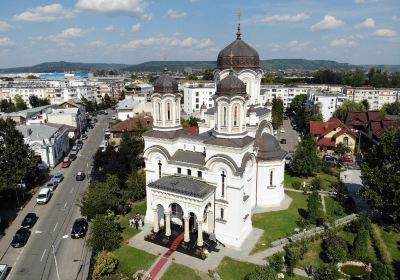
376	97
328	102
195	95
286	94
133	126
72	117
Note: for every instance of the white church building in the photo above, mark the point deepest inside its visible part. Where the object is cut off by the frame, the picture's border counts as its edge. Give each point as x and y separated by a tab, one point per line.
210	183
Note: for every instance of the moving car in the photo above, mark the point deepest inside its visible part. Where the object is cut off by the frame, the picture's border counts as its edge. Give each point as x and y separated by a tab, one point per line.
66	162
43	196
52	185
84	137
20	238
79	228
80	176
283	141
29	220
58	177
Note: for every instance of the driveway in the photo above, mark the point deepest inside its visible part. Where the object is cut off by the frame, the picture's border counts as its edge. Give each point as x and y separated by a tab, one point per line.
353	183
291	136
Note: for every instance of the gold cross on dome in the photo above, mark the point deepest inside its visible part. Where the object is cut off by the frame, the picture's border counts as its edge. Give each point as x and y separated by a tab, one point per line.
231	56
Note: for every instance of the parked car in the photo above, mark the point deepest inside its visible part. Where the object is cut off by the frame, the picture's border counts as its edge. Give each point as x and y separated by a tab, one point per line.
283	141
58	177
29	220
43	196
282	130
3	271
80	176
20	238
275	132
329	158
84	137
346	158
52	185
66	162
42	168
79	144
79	228
75	149
72	156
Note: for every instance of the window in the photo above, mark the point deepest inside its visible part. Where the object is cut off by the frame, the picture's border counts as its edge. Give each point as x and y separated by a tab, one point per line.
168	111
236	116
159	111
222	213
197	100
224	117
346	141
199	174
189	172
271	177
159	169
179	170
223	183
197	93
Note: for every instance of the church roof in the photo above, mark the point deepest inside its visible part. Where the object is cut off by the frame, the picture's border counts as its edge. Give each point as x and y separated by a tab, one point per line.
165	84
183	185
238	55
166	134
269	148
189	157
229	142
231	85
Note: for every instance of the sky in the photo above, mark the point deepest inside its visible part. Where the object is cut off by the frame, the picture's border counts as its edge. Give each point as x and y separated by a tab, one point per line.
135	31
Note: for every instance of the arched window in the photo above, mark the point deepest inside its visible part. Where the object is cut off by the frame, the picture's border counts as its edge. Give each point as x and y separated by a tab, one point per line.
271	177
223	183
236	115
158	111
222	213
168	111
159	169
346	141
224	117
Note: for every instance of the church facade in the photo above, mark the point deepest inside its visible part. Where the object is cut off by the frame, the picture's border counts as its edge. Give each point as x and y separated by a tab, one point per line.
210	183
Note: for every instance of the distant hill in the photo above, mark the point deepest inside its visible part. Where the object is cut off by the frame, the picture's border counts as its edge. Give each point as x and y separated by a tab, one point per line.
156	66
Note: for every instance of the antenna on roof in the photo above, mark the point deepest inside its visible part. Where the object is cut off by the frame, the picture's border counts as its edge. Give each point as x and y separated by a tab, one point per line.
238	33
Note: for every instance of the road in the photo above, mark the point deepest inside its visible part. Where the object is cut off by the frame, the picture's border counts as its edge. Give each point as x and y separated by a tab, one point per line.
35	260
291	136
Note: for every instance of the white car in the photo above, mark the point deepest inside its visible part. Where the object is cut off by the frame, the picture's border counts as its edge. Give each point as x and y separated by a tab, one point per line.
43	196
282	130
114	117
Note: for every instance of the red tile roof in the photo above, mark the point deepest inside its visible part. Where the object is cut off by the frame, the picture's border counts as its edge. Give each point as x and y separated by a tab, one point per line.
320	129
377	128
132	124
326	142
362	118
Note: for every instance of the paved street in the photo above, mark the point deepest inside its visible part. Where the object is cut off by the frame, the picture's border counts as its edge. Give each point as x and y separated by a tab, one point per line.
35	260
291	136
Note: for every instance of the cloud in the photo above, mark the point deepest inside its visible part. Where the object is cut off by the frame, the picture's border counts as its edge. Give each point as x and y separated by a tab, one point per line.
396	18
368	23
385	33
109	28
5	26
5	42
64	38
343	42
133	7
296	46
136	27
97	43
367	1
169	41
329	22
282	18
47	13
175	14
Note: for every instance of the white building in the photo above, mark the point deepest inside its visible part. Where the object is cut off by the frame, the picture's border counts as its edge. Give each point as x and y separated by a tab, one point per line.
211	183
73	117
132	106
328	102
286	94
49	144
376	97
197	94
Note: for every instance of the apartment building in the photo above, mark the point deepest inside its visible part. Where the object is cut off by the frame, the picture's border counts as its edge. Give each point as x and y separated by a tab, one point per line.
376	97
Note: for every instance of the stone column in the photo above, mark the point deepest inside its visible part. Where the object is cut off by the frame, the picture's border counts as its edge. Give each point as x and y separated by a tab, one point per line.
200	233
167	223
210	220
156	226
186	228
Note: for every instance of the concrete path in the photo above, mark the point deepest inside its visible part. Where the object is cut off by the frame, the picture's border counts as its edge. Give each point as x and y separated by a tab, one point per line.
323	202
353	182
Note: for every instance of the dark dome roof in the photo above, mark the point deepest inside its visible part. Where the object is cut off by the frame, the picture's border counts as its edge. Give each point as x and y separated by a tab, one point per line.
238	55
269	148
165	84
231	85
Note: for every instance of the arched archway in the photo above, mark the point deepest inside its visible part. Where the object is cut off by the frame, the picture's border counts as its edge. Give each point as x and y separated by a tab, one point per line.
176	213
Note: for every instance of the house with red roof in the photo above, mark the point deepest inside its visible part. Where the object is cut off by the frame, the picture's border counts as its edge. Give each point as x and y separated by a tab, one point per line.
332	132
133	126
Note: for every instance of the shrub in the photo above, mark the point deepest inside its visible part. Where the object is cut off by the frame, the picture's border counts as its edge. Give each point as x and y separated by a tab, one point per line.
262	273
106	264
379	271
277	262
360	244
316	183
357	224
335	249
296	185
329	272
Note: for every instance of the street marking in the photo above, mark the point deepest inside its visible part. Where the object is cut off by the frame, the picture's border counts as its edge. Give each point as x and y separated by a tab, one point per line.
65	205
54	229
72	189
44	252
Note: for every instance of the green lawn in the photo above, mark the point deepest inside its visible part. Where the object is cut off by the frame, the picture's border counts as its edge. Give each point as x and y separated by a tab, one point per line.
312	257
327	180
333	208
132	259
279	224
392	242
137	208
181	272
233	269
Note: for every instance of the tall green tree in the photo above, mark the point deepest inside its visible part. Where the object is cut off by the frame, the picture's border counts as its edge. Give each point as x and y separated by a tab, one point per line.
105	233
107	101
348	106
277	112
360	244
365	103
35	101
335	249
381	169
391	108
208	75
20	103
7	106
314	208
17	161
305	160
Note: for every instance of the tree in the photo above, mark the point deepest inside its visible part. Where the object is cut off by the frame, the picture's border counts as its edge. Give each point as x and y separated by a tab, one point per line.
291	257
136	185
365	103
262	273
17	161
89	105
381	170
107	101
35	101
360	244
347	106
329	272
192	77
341	149
277	112
7	106
105	233
106	264
32	77
277	262
335	249
314	208
208	75
298	103
391	108
305	160
20	103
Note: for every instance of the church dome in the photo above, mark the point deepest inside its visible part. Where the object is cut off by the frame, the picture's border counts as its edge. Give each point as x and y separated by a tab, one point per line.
231	85
165	84
238	55
269	148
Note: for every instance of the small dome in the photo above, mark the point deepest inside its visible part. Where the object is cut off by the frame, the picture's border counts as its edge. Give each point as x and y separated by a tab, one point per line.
165	84
238	55
203	106
269	148
231	85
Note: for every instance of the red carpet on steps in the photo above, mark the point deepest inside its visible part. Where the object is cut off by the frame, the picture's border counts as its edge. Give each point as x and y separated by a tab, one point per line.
159	265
